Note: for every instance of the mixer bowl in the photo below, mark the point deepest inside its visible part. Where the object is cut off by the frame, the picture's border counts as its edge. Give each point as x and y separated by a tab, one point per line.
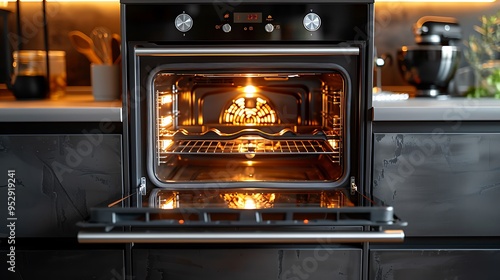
429	68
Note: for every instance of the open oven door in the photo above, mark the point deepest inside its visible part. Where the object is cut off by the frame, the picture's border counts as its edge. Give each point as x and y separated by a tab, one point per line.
217	225
285	224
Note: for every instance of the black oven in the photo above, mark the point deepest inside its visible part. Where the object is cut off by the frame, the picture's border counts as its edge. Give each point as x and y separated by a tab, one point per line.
246	122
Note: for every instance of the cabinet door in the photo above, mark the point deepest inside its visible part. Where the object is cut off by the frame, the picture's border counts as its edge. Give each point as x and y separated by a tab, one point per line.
433	264
248	264
441	184
55	179
62	265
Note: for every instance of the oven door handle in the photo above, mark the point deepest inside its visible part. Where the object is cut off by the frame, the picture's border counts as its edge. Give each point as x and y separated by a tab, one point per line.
243	51
241	237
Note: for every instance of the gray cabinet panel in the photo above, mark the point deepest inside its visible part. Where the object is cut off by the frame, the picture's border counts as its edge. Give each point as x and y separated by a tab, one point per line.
63	265
57	179
441	184
248	264
434	264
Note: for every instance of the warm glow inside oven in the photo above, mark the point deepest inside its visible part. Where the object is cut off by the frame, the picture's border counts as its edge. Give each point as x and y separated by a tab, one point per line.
237	199
262	128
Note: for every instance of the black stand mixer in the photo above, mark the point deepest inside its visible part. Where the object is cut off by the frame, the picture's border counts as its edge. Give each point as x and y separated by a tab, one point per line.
431	64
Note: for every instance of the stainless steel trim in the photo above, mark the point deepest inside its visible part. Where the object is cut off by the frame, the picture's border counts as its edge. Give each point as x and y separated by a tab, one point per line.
243	51
241	237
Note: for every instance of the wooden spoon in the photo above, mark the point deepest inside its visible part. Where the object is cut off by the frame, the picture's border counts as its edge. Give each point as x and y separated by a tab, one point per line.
83	44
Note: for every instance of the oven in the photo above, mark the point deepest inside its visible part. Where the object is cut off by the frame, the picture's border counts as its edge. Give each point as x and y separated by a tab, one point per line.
246	122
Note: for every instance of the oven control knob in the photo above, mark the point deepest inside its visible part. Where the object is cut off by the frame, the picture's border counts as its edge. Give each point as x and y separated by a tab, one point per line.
312	22
269	28
183	22
226	28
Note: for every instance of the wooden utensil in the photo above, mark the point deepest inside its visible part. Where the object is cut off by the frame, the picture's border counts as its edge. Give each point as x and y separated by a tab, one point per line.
83	44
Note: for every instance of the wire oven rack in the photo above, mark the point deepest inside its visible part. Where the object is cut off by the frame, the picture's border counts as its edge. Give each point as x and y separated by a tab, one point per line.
250	147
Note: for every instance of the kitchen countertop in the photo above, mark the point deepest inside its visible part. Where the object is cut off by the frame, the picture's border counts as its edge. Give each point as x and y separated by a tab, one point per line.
437	109
77	105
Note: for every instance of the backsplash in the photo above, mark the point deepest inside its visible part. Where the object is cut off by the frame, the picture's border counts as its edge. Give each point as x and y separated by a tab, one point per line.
393	28
62	17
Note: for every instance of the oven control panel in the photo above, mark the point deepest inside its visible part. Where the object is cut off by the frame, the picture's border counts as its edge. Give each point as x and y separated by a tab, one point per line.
247	22
311	22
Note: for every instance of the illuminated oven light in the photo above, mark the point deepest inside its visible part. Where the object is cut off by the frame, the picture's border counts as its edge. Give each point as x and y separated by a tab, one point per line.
166	121
166	99
249	91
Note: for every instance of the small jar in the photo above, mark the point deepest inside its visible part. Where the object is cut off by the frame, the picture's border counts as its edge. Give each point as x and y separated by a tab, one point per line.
29	80
57	79
30	65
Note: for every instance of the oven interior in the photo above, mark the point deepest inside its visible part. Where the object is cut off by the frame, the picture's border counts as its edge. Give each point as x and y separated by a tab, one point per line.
254	128
246	135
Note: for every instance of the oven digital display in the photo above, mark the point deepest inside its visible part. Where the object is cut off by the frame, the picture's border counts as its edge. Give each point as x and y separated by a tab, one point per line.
247	17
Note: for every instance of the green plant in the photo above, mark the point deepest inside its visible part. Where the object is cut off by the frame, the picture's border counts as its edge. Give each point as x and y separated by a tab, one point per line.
481	54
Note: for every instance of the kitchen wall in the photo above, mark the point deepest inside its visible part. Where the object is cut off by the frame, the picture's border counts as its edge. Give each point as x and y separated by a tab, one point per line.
393	28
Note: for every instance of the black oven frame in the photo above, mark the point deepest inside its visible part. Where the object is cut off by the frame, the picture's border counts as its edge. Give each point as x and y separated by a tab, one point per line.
164	55
346	24
148	58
